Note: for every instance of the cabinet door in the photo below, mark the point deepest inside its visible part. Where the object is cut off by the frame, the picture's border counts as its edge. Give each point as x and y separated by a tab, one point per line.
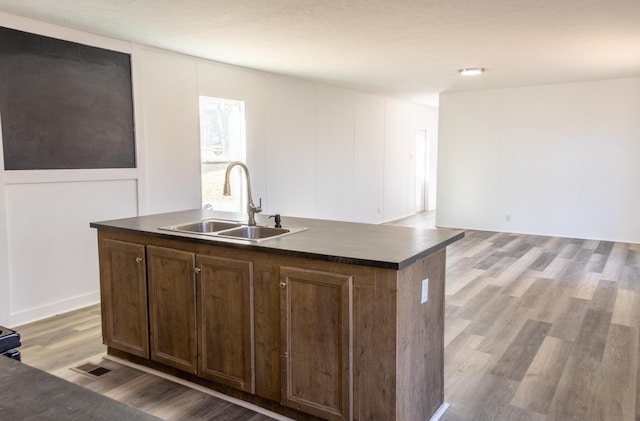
316	334
225	320
123	290
172	307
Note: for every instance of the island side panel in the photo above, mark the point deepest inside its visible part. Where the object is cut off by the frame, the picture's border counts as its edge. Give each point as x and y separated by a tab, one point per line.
420	346
374	345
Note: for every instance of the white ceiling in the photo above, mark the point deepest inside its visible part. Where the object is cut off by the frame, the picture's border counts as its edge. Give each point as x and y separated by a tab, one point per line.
405	48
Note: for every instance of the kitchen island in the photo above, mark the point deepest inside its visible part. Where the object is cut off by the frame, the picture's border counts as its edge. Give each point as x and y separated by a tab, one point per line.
340	321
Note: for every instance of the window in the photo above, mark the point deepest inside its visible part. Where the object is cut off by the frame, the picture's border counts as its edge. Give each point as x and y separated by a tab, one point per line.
222	140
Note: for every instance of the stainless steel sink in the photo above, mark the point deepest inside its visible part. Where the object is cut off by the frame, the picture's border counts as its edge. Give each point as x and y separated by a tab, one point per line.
254	232
233	230
207	226
204	227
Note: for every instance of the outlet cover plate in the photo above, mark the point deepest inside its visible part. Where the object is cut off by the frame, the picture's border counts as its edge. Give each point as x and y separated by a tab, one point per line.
425	291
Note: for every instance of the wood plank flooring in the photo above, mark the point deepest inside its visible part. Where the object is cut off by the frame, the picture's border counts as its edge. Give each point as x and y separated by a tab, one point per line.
61	344
537	328
541	328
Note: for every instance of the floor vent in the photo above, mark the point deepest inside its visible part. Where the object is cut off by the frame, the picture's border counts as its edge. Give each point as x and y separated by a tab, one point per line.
99	371
91	369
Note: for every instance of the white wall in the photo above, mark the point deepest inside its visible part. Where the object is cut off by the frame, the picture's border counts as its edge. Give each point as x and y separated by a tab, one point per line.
368	164
52	250
290	133
166	87
48	253
556	160
314	151
334	154
399	163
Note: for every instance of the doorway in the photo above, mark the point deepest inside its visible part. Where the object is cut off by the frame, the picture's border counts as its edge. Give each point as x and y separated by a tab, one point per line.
422	171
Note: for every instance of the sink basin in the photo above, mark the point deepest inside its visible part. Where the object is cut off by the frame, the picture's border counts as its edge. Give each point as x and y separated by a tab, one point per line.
233	230
204	227
254	232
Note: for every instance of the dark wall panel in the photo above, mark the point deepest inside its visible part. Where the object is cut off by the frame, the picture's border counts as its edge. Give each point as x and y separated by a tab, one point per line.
64	105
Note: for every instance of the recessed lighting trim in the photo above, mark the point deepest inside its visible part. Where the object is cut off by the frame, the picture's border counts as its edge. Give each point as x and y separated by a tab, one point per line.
471	71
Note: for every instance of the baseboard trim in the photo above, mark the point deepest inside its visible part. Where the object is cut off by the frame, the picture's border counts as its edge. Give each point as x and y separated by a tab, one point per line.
35	314
440	412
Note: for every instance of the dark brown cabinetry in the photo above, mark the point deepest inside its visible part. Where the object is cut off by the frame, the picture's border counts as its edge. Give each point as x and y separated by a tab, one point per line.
201	317
225	321
185	310
308	338
123	289
172	308
316	342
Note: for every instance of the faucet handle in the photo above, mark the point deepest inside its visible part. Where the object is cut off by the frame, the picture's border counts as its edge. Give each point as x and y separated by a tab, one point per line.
259	208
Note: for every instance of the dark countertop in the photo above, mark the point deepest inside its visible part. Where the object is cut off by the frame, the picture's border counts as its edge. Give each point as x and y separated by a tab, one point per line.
383	246
27	393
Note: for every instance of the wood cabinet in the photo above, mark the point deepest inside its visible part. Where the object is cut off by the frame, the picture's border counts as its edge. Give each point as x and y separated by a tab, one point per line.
201	315
225	321
316	342
172	307
123	288
308	338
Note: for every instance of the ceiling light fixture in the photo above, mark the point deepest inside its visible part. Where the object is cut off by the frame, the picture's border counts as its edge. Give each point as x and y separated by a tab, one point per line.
471	71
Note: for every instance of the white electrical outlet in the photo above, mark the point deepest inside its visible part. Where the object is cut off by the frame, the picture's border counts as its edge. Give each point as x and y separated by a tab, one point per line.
425	291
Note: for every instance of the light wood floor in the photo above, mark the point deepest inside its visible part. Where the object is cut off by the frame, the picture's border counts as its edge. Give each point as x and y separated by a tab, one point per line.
63	343
537	328
542	328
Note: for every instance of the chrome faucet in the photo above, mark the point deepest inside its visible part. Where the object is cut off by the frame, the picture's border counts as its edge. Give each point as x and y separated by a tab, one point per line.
251	208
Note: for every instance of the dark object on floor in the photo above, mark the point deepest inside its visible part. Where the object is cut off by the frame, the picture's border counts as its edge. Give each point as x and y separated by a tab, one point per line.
9	340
